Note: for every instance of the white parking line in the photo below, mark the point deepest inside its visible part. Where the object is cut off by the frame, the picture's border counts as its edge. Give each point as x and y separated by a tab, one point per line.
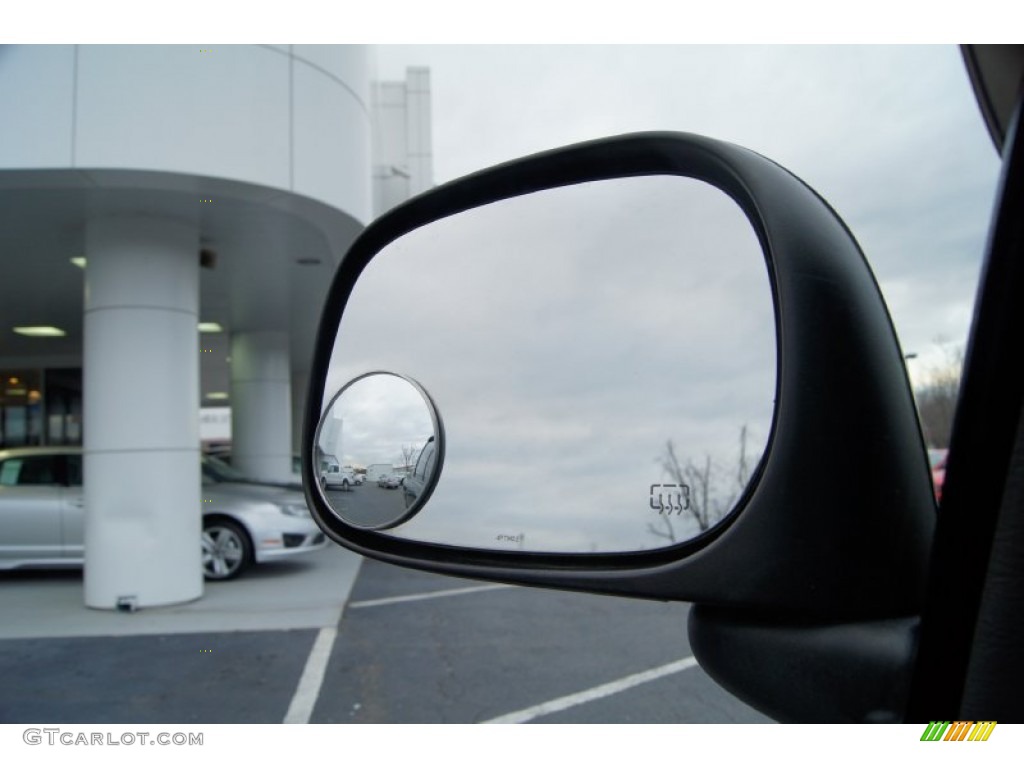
426	596
308	690
557	705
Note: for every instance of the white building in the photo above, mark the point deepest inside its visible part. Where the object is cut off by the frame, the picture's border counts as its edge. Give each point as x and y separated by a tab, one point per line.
403	147
145	190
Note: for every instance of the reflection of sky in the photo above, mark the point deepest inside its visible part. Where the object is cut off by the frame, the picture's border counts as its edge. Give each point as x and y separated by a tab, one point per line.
566	336
376	420
890	135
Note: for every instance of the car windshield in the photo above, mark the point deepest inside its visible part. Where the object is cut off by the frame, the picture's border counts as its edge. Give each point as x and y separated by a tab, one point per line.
219	471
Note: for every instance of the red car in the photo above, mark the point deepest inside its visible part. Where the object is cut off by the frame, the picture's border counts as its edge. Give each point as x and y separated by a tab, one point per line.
937	460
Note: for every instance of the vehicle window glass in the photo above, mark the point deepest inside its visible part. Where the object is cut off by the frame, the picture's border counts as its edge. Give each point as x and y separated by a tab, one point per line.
216	470
30	470
74	469
9	471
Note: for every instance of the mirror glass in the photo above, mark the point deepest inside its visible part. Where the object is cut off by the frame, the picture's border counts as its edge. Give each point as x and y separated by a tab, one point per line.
603	356
379	450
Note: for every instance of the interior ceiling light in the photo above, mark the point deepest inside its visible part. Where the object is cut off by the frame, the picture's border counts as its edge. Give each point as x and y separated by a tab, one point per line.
216	395
78	261
308	261
210	328
39	330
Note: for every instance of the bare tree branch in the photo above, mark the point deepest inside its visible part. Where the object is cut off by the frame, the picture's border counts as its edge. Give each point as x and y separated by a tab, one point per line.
409	454
937	395
705	501
669	532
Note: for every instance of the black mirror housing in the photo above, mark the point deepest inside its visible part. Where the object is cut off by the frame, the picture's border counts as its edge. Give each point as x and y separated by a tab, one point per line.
837	523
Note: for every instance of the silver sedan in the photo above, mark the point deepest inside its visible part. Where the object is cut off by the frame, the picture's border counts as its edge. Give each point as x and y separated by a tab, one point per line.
244	522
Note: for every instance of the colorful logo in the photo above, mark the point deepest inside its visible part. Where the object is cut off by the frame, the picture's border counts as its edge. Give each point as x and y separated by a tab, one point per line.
958	731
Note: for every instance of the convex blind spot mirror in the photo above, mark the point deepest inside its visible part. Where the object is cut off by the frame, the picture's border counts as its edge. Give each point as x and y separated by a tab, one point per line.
379	450
605	354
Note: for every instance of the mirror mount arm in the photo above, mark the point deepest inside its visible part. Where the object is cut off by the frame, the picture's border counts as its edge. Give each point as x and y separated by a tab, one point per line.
782	668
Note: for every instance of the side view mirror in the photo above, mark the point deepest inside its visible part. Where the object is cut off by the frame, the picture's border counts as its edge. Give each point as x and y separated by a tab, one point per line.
656	357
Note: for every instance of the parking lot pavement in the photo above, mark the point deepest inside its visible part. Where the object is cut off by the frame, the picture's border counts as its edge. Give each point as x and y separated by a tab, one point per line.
421	648
222	677
276	646
234	656
307	592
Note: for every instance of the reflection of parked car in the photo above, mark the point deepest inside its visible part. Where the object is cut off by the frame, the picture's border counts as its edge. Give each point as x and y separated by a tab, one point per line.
389	481
333	476
42	515
421	473
937	459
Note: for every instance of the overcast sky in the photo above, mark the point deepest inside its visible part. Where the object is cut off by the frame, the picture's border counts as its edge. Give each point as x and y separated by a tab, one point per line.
566	337
890	136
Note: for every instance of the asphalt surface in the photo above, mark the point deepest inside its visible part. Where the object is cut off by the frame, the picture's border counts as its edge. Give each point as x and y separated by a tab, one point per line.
243	677
476	656
401	647
368	504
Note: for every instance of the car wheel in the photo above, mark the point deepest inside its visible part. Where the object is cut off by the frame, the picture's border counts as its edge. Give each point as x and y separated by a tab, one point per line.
344	485
227	550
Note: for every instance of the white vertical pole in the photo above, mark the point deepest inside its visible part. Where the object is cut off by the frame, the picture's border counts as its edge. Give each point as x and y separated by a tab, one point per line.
261	406
141	413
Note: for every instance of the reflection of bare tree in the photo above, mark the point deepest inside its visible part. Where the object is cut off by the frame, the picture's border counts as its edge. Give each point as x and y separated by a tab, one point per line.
742	468
409	455
708	502
665	523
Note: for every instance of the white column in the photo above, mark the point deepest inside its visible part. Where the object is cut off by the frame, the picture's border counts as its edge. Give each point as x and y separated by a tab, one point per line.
261	406
141	413
300	382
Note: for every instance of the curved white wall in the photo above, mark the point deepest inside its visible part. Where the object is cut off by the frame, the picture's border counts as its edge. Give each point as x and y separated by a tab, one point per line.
37	85
294	118
144	154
